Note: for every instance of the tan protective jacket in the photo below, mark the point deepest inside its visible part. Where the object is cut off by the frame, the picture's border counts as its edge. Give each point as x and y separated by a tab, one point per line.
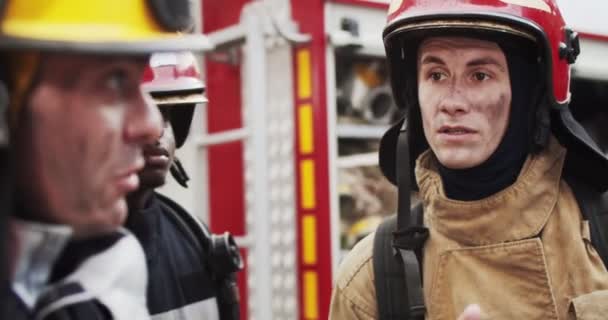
523	253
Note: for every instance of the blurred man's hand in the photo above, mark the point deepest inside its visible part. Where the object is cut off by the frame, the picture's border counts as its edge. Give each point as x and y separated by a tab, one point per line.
471	312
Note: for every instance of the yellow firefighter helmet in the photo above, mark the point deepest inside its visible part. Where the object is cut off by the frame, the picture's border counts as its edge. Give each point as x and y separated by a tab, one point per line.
108	27
99	26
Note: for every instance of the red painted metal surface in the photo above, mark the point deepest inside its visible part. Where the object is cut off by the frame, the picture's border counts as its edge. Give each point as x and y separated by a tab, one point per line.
363	3
225	166
528	14
224	113
226	183
594	36
309	15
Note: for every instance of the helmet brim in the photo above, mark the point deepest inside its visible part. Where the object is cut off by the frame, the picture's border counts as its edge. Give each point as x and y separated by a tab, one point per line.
186	42
180	99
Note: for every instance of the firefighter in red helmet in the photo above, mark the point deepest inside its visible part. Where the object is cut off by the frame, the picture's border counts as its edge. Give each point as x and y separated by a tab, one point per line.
179	248
511	223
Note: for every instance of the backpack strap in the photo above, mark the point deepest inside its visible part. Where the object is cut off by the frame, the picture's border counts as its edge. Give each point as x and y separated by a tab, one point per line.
392	278
411	234
594	209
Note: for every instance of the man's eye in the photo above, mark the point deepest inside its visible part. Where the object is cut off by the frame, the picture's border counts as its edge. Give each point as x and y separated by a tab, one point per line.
437	76
480	76
116	80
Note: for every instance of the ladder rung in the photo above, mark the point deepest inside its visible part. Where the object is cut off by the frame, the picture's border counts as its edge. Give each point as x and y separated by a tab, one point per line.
223	137
243	241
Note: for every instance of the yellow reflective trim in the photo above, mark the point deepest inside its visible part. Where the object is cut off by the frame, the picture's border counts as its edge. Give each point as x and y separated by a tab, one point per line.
304	76
309	240
306	129
311	295
307	184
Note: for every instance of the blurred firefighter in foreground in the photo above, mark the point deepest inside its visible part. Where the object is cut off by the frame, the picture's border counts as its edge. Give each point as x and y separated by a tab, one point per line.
511	224
191	271
79	123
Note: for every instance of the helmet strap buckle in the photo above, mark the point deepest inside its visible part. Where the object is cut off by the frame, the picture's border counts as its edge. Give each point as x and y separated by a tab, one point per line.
570	48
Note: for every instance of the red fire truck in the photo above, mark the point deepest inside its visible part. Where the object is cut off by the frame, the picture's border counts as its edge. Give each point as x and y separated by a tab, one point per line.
284	156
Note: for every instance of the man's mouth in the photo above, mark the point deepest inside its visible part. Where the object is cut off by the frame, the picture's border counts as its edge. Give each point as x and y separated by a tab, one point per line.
156	157
455	130
128	180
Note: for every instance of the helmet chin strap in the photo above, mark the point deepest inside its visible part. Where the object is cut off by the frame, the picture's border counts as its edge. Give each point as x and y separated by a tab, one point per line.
179	173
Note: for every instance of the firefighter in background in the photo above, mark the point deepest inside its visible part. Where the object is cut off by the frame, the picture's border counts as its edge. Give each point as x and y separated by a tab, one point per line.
505	231
191	271
79	123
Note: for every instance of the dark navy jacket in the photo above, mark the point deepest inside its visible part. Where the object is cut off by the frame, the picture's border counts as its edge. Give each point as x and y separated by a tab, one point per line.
181	283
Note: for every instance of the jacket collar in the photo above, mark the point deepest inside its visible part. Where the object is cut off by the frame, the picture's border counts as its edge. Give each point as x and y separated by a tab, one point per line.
39	246
518	212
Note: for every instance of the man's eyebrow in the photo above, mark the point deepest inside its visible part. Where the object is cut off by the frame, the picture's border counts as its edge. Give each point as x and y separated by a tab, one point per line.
432	59
485	61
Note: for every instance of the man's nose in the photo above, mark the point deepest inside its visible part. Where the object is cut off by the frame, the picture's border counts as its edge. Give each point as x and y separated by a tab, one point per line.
454	102
144	123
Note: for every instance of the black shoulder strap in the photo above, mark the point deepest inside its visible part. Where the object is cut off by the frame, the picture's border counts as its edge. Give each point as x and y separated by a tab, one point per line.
411	234
390	279
594	208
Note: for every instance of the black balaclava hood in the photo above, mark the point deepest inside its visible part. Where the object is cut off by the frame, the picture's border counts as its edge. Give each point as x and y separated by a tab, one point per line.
502	168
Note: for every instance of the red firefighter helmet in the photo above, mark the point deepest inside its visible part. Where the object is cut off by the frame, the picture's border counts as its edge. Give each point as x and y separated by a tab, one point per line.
539	19
534	24
174	82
